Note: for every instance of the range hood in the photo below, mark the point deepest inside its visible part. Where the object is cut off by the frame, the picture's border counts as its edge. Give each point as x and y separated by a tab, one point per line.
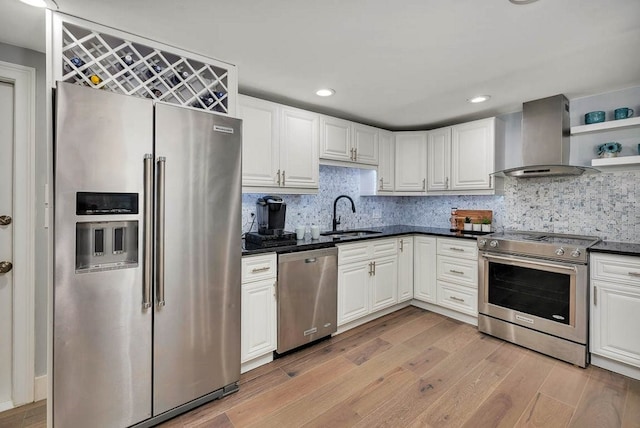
545	141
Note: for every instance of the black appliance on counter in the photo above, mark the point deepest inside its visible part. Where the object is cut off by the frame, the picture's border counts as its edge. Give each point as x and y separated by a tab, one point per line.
271	214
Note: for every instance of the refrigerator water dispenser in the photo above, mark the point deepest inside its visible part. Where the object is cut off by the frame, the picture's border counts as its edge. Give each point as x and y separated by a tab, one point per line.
106	245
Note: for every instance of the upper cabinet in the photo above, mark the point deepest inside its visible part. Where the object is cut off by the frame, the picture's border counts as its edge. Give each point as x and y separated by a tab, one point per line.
411	162
387	163
344	141
462	157
279	147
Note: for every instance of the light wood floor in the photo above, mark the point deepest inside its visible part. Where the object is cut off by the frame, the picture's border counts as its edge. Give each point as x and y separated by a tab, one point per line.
413	368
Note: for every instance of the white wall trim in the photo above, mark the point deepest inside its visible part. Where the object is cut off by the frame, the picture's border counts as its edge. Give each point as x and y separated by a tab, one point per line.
40	388
24	83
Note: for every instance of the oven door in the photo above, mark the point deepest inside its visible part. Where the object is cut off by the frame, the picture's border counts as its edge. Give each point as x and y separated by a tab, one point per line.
542	295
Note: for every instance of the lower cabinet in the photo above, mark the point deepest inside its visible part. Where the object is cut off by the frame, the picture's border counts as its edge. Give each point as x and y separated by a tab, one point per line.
615	308
259	310
405	268
367	278
424	268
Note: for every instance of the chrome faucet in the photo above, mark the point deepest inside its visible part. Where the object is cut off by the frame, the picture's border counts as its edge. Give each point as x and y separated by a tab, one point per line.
336	222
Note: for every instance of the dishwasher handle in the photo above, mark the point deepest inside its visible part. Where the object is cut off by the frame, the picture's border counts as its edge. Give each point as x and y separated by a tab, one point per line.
311	260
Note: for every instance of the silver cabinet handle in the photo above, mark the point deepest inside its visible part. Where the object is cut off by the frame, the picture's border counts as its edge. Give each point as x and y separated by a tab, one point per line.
283	182
456	249
456	271
457	299
374	268
275	290
381	184
424	184
402	245
636	274
351	157
355	154
278	177
160	189
446	183
490	180
147	234
262	269
311	260
595	296
370	268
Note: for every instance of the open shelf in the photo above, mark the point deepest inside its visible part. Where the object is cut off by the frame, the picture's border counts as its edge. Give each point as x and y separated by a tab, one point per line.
627	161
606	126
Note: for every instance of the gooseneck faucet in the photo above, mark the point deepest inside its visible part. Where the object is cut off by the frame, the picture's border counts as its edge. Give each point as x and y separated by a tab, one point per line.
336	222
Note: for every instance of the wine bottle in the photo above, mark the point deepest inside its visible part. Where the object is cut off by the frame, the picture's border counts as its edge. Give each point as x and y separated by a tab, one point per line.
180	75
77	63
127	59
95	79
155	68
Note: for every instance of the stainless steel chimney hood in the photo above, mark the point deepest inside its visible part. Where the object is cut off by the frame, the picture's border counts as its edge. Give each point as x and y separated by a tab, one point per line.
545	141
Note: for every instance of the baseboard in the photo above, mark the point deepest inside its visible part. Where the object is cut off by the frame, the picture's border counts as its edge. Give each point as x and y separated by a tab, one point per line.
40	388
614	366
6	405
256	362
446	312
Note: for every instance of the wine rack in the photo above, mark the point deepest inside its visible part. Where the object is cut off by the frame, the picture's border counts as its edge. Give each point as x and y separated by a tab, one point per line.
105	61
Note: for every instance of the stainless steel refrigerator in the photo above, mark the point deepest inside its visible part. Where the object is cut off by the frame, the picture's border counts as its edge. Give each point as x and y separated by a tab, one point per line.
146	319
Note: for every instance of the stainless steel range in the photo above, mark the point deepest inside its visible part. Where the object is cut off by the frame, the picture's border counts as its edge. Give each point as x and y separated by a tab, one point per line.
533	291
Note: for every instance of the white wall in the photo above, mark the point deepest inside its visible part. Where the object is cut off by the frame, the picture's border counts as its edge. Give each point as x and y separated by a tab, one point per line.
29	58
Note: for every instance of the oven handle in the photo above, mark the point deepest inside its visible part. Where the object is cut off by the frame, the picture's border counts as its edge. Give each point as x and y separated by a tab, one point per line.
531	262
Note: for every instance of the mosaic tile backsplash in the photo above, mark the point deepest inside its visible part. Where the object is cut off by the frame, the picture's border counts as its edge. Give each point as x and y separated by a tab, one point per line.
603	204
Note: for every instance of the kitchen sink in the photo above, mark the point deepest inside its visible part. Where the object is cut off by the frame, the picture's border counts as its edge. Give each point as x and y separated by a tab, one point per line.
353	233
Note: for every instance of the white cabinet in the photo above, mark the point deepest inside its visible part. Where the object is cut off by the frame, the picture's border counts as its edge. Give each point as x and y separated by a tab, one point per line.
386	164
462	157
615	308
424	268
342	140
411	162
367	278
279	147
457	275
258	310
405	268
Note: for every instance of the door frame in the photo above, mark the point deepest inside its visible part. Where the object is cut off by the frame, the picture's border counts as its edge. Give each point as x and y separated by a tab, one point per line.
24	83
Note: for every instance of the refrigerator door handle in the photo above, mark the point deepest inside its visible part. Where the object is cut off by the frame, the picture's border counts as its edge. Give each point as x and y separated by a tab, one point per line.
148	243
160	204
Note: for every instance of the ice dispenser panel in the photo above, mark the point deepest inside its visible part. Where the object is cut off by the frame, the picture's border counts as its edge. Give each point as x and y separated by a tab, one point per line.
105	245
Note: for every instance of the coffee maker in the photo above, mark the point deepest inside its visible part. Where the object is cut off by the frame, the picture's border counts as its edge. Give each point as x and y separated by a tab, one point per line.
271	214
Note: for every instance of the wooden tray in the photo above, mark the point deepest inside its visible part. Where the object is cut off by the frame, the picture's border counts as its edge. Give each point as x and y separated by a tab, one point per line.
476	216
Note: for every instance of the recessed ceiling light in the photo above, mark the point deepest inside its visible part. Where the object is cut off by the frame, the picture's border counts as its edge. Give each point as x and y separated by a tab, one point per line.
36	3
325	92
479	99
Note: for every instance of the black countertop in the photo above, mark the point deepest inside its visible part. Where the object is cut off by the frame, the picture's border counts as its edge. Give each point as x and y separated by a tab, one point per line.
621	248
385	232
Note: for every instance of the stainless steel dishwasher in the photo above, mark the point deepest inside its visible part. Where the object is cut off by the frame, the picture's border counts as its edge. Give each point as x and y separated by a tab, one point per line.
307	297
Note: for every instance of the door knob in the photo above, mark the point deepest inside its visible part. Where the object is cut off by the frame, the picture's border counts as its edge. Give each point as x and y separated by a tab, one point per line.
5	267
5	220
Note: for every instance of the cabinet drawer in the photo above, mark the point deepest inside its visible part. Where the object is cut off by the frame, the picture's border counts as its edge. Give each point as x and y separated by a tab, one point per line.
460	299
462	248
623	269
459	271
384	247
255	268
349	253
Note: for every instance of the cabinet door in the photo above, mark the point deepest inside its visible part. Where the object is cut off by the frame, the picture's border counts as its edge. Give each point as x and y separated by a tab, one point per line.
299	148
258	330
405	269
411	161
472	155
386	163
335	139
615	315
384	283
424	269
439	159
365	144
260	141
353	291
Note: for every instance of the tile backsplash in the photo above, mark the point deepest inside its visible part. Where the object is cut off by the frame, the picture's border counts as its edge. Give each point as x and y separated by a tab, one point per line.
602	204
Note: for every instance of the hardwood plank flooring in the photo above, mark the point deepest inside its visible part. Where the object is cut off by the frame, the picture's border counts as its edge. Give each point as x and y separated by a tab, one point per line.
412	368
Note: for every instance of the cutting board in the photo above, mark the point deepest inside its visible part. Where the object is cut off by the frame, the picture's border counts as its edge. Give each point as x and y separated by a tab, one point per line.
476	216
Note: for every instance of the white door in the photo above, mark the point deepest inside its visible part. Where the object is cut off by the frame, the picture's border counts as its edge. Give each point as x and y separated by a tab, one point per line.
405	269
365	144
386	164
384	283
472	155
439	159
424	269
411	162
335	139
6	243
258	319
299	139
353	291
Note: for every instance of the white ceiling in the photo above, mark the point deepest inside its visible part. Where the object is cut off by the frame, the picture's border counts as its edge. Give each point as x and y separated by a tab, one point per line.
402	64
